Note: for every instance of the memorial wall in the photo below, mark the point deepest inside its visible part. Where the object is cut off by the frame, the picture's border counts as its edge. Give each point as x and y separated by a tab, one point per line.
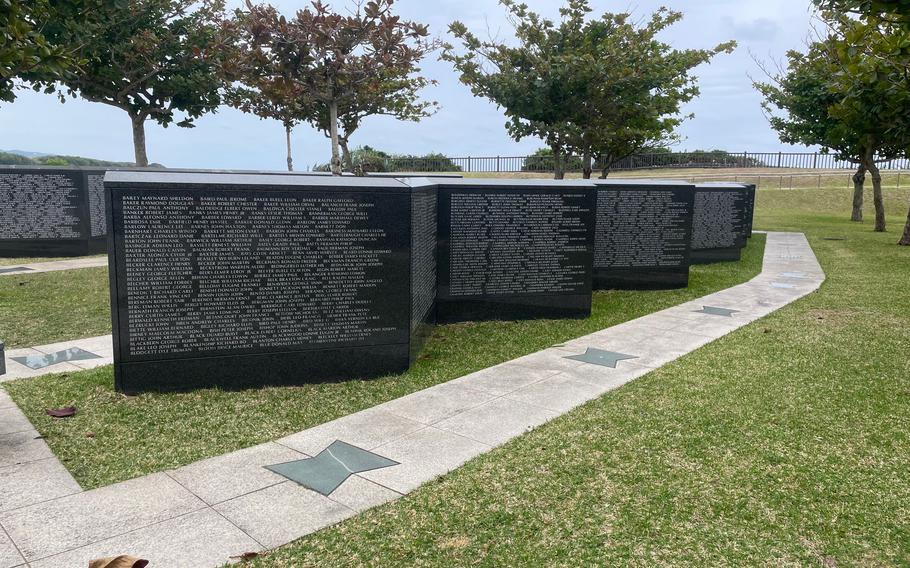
512	249
51	211
643	235
720	223
244	280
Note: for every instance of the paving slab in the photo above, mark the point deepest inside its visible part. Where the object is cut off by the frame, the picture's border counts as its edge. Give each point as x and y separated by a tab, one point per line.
23	447
77	520
366	429
198	540
9	554
282	513
438	403
497	421
359	494
422	456
505	378
559	393
34	482
231	475
12	420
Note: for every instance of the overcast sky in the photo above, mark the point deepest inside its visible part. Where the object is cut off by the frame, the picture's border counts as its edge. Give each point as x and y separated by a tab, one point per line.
727	114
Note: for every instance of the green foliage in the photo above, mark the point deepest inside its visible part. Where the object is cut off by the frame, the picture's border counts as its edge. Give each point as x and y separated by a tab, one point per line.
543	160
370	159
333	70
152	59
9	159
25	53
596	87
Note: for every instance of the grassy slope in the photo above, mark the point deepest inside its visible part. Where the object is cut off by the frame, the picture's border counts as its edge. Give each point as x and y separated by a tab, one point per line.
139	435
37	309
785	443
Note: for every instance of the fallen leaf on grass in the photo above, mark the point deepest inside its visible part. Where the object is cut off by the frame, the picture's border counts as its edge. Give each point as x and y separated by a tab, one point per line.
89	434
246	556
64	412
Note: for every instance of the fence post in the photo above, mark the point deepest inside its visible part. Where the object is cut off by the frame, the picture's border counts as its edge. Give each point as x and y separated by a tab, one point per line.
780	157
469	164
815	162
497	165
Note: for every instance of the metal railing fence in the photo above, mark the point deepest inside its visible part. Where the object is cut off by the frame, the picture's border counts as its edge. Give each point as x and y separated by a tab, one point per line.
675	160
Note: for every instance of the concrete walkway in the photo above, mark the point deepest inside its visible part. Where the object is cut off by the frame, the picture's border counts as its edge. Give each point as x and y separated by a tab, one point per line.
210	511
53	266
59	357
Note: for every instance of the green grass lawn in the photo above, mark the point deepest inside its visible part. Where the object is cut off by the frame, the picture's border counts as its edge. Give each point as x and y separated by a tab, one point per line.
36	309
786	443
139	435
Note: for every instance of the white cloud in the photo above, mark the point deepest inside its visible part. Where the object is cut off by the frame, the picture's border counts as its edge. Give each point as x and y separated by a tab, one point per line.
727	113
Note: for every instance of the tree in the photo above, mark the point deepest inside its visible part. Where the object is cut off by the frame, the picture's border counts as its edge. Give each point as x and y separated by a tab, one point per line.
345	67
875	96
535	82
258	84
804	94
634	87
602	88
150	58
25	53
881	35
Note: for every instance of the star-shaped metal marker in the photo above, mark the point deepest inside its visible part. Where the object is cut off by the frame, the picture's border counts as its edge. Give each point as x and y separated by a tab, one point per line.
600	357
782	285
15	269
723	312
325	472
793	274
36	362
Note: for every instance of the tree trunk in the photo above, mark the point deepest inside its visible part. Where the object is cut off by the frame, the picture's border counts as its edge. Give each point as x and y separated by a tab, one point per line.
346	158
608	163
859	180
586	168
878	199
138	121
559	171
905	240
333	133
287	132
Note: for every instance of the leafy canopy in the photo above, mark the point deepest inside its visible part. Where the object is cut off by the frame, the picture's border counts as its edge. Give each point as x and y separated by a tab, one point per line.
151	58
25	53
603	86
337	69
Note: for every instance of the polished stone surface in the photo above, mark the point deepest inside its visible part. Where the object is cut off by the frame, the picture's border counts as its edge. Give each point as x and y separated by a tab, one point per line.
340	286
514	249
601	357
328	469
713	311
36	362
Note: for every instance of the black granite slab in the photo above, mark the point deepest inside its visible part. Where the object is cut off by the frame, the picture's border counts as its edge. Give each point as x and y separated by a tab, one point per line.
514	249
720	225
243	280
644	234
2	358
51	211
